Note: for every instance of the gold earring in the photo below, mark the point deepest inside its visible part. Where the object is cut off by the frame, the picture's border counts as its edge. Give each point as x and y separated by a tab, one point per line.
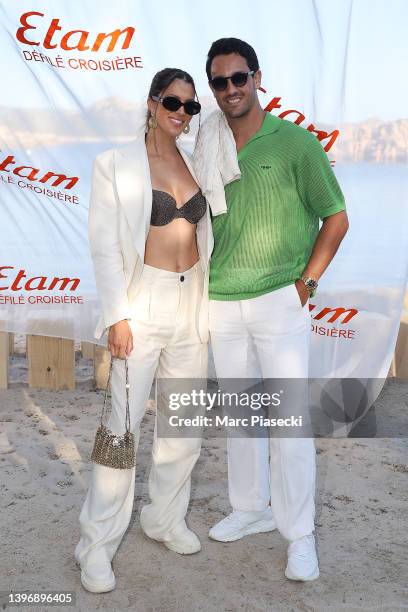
186	129
152	122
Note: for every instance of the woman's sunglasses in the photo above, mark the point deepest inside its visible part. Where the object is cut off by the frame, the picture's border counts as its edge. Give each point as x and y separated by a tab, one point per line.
171	103
239	79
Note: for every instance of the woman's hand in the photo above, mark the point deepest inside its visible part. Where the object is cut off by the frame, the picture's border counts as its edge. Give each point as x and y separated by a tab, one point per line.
120	339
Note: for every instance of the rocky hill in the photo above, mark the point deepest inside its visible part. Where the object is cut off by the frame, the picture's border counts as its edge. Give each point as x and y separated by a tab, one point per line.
118	120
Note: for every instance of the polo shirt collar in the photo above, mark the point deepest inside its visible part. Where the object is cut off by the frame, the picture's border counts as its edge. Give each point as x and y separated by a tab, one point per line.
269	125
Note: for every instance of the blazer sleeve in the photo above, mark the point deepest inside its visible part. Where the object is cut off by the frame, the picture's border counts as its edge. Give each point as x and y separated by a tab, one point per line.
103	232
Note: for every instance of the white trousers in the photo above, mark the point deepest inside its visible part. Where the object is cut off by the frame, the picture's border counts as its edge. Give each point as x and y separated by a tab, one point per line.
267	336
166	344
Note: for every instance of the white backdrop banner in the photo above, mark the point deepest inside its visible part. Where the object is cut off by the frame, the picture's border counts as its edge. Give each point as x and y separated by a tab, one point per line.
75	81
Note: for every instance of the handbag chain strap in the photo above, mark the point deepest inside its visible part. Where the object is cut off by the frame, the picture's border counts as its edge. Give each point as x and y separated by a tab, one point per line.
127	387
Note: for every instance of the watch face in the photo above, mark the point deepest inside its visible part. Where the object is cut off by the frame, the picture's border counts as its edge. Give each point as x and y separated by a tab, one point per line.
311	283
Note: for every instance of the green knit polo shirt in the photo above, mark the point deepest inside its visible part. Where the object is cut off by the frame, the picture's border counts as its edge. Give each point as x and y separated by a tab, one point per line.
264	240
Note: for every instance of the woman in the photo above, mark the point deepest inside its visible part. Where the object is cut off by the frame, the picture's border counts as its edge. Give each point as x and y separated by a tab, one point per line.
150	238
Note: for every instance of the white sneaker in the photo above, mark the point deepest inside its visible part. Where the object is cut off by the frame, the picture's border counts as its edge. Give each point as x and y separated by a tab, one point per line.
97	575
183	541
239	524
302	559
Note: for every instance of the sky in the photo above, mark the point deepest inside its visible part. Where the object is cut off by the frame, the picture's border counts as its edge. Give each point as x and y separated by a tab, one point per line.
336	60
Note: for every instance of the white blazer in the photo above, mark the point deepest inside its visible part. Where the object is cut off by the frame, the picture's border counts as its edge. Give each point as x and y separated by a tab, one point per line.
118	224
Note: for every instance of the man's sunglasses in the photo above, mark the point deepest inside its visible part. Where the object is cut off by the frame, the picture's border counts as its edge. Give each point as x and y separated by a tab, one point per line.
239	79
171	103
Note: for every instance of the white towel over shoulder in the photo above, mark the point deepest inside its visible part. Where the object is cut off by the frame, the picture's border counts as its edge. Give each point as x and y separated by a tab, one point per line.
215	160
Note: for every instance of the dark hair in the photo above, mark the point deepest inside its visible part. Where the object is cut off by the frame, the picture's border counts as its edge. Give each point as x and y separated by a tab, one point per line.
225	46
164	78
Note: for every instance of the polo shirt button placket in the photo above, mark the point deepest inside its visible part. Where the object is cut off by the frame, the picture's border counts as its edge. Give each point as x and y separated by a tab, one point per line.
182	278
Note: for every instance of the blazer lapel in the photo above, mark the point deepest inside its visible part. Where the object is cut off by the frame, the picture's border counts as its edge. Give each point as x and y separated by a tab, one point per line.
204	231
133	184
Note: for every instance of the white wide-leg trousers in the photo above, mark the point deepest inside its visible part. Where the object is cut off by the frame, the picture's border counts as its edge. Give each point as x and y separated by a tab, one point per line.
166	345
267	336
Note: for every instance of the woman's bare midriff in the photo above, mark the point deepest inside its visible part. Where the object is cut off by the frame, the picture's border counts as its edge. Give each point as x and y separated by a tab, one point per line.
172	247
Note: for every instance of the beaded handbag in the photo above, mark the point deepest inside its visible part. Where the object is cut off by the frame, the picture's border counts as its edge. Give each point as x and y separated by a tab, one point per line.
110	449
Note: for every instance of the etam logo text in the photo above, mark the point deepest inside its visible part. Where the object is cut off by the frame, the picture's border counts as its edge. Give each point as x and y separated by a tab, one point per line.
9	165
333	314
22	282
64	289
79	40
338	315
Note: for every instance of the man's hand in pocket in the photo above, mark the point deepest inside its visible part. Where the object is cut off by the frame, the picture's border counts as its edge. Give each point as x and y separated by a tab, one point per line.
302	291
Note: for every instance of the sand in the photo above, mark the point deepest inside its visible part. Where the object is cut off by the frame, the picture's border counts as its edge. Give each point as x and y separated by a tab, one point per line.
361	522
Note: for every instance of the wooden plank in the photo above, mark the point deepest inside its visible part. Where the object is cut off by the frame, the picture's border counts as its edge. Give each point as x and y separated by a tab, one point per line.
11	343
4	360
87	350
101	366
392	371
401	351
51	362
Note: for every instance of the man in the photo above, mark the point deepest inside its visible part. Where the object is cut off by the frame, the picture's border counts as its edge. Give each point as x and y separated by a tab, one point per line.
268	257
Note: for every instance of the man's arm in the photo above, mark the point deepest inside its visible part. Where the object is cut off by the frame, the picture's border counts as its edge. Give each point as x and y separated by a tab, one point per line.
331	234
320	191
